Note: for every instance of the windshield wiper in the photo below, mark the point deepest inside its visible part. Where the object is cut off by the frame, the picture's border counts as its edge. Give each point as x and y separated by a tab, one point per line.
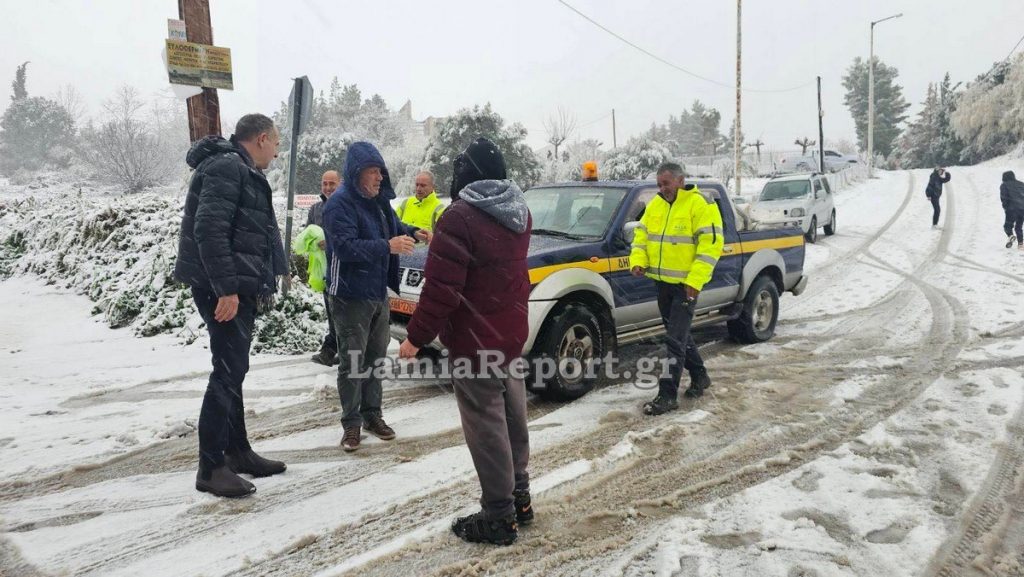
558	233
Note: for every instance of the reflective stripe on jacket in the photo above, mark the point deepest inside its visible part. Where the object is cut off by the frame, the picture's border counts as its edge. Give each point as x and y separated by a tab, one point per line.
421	213
679	242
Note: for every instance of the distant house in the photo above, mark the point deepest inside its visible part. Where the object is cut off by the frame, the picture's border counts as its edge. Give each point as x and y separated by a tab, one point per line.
417	132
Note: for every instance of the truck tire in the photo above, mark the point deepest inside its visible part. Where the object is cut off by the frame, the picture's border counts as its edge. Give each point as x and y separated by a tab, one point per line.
812	233
830	228
756	322
572	336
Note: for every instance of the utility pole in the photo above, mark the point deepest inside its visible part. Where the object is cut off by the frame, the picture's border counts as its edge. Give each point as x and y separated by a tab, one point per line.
614	141
821	132
203	109
871	95
739	80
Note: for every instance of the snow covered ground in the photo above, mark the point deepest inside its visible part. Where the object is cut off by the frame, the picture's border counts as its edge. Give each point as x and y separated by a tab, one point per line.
880	433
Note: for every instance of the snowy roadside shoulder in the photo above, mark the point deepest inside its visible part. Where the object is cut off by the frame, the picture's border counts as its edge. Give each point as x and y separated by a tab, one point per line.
877	505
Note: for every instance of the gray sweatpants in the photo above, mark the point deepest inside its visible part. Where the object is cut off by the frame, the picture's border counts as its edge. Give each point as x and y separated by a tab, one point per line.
493	413
363	332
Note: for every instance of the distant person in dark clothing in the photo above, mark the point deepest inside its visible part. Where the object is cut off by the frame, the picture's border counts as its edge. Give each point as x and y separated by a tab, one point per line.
1011	193
938	177
329	182
230	253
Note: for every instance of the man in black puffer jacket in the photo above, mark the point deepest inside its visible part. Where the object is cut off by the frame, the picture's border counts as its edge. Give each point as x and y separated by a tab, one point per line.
230	253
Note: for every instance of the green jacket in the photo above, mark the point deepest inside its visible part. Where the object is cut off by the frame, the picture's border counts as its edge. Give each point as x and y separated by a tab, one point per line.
308	243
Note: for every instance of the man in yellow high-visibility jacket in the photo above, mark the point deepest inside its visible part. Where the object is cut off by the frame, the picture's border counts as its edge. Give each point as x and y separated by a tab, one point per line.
423	209
677	244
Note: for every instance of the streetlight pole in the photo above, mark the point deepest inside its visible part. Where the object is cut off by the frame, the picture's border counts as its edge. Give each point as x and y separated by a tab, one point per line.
871	95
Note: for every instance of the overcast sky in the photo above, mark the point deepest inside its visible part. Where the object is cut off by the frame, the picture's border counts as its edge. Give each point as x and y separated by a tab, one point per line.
527	57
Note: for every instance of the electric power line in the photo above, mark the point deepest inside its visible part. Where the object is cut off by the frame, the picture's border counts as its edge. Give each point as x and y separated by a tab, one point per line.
1015	46
672	65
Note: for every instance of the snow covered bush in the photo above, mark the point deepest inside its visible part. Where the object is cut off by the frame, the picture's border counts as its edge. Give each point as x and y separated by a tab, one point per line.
130	148
120	253
989	117
636	160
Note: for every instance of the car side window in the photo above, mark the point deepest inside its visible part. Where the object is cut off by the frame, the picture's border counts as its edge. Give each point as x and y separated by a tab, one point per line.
830	153
817	188
828	189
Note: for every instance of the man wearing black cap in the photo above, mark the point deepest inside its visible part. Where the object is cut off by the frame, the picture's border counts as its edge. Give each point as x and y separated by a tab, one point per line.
475	298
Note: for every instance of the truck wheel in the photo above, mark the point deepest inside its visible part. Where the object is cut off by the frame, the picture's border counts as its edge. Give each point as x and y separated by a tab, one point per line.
756	322
572	338
812	233
830	228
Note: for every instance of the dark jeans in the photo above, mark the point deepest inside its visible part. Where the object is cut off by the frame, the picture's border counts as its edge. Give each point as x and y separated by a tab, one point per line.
677	314
1014	223
493	413
331	338
364	332
935	209
222	418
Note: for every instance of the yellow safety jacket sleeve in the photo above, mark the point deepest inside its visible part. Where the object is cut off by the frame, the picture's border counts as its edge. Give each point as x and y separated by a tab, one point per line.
638	252
709	238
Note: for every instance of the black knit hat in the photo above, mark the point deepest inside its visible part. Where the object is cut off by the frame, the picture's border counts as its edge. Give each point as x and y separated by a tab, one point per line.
1008	176
480	161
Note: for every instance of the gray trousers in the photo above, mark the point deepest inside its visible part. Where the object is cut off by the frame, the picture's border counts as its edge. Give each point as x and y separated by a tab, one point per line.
363	333
493	413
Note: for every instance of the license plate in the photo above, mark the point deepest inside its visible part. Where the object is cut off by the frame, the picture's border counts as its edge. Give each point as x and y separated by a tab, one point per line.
402	306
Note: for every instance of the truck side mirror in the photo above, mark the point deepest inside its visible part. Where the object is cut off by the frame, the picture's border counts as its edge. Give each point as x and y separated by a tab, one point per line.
627	231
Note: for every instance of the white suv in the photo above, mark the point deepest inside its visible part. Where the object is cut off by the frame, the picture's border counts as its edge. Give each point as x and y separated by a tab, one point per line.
834	162
803	200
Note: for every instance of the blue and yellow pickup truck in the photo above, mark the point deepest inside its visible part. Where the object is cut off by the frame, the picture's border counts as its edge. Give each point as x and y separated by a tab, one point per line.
585	302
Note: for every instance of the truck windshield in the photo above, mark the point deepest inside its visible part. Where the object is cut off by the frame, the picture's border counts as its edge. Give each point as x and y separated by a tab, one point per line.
786	190
573	211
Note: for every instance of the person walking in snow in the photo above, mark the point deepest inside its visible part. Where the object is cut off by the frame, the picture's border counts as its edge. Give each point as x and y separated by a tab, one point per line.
938	177
1011	193
475	297
230	253
329	182
677	244
364	239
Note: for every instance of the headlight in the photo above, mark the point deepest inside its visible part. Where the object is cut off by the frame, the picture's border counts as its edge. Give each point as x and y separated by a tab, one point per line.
796	212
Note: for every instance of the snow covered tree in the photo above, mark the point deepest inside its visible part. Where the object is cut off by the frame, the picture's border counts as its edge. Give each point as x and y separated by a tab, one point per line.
929	140
35	132
890	107
456	132
130	147
989	116
570	167
640	157
20	92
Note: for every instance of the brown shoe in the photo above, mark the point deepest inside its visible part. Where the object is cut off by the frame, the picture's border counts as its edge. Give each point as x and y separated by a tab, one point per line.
376	426
350	440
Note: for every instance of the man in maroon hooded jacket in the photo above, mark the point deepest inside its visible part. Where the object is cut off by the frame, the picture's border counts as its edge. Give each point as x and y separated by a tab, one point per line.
475	298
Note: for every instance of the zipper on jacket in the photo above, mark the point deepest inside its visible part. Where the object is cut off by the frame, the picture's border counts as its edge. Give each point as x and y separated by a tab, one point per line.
668	219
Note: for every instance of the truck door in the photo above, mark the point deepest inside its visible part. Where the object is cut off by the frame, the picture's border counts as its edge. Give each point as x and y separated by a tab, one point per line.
723	287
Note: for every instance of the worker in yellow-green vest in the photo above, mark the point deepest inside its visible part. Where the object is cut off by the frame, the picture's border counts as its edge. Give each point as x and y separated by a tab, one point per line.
677	244
423	209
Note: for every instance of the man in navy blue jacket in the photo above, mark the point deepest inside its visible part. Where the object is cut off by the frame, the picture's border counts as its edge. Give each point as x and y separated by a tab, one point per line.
364	239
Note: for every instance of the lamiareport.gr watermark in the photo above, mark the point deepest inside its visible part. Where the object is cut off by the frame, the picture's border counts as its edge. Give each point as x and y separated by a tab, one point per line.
644	371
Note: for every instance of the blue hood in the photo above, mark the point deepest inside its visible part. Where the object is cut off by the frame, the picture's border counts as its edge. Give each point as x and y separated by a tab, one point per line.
362	155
